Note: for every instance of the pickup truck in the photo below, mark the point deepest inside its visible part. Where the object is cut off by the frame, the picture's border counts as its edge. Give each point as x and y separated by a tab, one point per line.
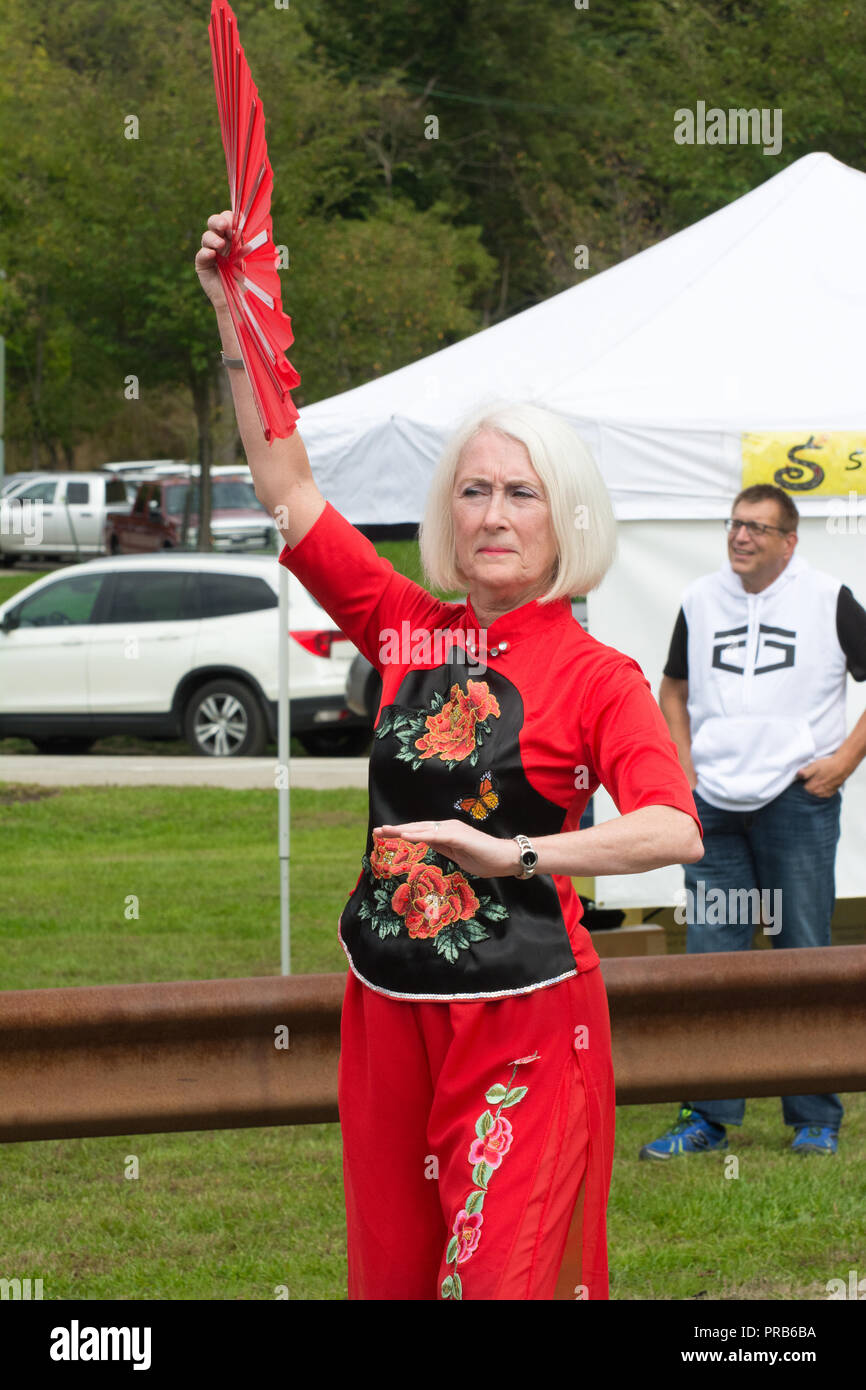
164	516
61	515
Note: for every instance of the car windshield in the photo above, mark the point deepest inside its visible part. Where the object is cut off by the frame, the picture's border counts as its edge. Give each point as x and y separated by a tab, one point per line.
227	494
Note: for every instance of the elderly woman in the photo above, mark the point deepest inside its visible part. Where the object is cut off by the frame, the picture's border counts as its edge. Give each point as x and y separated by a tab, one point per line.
476	1088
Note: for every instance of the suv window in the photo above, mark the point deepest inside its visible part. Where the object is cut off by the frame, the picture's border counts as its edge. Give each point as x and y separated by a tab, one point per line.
68	602
223	594
116	490
152	596
78	492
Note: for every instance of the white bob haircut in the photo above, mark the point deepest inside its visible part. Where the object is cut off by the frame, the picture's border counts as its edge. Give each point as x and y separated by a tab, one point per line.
581	513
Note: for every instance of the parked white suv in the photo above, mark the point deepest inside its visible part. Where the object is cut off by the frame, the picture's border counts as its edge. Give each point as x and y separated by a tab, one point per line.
175	644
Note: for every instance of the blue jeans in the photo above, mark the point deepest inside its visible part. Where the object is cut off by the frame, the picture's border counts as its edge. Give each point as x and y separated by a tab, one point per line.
787	851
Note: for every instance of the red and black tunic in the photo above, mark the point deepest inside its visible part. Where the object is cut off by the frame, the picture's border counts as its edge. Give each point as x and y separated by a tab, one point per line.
516	745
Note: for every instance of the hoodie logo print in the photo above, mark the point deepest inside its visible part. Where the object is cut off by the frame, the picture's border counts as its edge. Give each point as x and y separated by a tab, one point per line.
731	643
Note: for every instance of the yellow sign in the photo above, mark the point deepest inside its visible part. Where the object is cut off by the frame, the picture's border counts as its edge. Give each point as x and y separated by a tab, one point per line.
825	463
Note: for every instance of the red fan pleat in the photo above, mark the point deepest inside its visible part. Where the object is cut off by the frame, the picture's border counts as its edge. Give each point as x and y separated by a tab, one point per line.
248	266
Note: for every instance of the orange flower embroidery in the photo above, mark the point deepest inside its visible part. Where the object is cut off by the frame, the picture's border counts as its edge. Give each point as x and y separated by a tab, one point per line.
430	900
393	857
451	733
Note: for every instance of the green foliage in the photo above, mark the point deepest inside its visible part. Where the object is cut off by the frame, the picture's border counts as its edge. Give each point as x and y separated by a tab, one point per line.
100	231
555	130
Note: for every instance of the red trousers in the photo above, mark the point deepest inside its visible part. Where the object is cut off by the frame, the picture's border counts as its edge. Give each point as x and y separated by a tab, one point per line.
478	1144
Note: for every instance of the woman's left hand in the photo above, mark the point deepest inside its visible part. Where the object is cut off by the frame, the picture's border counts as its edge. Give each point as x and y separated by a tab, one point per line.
478	853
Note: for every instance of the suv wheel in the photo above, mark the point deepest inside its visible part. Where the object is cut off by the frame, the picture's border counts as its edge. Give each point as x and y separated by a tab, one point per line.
224	720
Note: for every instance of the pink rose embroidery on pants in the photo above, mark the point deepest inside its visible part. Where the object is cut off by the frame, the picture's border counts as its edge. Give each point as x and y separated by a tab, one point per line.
494	1137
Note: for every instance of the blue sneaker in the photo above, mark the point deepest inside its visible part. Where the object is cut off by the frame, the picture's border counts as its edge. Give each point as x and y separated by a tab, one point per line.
691	1134
815	1139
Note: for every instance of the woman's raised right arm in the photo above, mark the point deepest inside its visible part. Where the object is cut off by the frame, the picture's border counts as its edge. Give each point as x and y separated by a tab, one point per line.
281	471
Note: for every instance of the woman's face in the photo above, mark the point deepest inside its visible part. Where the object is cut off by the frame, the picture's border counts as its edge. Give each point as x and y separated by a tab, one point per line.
506	549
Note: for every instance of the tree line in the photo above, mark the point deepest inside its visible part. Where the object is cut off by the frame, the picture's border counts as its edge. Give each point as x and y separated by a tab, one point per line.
436	168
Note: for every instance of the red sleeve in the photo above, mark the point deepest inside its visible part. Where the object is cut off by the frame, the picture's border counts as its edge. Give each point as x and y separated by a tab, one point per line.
361	591
633	754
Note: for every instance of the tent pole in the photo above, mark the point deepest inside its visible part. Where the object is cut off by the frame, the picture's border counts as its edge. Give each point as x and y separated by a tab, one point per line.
283	736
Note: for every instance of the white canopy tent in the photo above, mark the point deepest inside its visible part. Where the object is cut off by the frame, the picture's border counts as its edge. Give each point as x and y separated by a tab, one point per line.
750	321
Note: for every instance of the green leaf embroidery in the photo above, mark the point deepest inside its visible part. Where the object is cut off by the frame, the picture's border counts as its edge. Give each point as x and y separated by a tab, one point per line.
514	1096
483	1124
451	1252
474	930
495	1094
481	1174
458	1286
387	925
445	946
448	1287
494	912
474	1202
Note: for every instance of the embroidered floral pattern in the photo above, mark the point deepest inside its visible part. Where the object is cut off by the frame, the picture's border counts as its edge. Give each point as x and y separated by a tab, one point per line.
494	1137
492	1147
435	900
467	1232
430	900
453	732
393	857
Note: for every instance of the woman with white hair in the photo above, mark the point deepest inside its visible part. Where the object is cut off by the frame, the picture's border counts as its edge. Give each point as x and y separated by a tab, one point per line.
476	1089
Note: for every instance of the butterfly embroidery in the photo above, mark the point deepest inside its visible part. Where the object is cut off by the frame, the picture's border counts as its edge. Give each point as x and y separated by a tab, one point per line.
480	806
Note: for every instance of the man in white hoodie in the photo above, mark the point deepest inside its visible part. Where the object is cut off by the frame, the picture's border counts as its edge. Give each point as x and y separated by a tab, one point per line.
754	696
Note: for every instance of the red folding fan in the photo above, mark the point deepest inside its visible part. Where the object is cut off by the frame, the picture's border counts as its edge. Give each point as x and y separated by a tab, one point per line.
248	265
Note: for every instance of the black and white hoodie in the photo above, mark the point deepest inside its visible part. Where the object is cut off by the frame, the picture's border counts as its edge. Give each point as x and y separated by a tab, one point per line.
766	676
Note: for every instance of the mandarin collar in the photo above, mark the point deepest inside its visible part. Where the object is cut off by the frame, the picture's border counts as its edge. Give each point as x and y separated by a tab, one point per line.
528	620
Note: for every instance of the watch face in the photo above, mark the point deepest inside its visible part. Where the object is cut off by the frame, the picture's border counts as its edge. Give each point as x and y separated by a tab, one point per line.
528	858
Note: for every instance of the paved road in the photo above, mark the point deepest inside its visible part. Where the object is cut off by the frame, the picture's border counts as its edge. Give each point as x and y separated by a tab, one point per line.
95	770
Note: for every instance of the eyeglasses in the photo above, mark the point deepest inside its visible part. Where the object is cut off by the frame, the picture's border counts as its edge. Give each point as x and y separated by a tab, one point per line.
754	528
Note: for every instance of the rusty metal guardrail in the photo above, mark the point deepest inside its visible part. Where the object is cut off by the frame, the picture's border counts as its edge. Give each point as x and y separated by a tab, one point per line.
222	1054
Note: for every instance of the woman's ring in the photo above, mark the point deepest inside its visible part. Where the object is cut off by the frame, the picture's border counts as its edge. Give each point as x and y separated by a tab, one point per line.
435	825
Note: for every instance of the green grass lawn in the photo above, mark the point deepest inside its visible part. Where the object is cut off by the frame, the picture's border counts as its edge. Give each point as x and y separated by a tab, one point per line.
234	1214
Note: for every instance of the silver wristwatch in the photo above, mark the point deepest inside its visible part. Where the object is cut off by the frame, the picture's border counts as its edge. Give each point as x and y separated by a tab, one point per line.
528	856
